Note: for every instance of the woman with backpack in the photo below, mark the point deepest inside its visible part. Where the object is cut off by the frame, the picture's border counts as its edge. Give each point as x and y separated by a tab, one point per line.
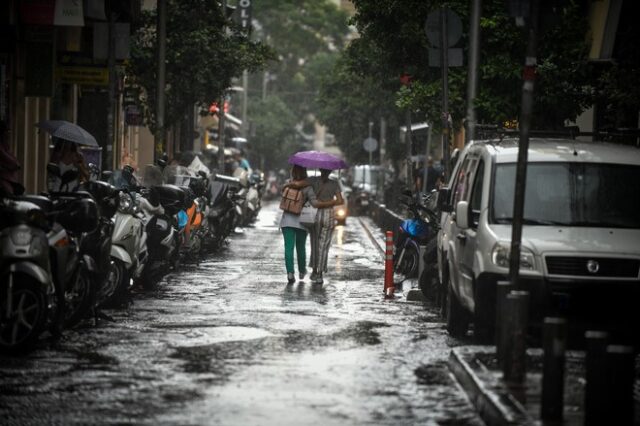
296	193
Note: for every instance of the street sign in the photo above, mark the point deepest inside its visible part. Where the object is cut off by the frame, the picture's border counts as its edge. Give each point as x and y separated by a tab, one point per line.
243	15
454	57
432	28
370	144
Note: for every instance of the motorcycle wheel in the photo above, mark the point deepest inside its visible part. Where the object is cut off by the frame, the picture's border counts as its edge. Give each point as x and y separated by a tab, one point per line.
20	328
80	299
116	286
405	262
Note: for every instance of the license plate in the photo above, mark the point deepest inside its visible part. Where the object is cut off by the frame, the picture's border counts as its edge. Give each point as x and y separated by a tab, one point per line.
364	202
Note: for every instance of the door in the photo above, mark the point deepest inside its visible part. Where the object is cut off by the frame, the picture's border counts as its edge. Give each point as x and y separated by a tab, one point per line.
465	239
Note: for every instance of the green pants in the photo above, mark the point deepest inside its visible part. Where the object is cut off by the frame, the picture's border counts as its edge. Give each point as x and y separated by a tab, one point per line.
294	237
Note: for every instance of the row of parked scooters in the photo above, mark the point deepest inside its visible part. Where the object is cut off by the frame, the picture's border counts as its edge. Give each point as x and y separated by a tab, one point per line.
66	255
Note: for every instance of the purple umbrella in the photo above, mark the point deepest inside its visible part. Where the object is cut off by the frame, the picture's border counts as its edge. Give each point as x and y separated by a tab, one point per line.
317	160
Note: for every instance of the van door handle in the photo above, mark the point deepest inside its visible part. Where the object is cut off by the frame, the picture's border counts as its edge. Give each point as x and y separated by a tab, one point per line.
462	237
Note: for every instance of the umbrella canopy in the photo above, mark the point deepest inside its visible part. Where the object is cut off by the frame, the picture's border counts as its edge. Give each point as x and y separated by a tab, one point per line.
317	160
68	131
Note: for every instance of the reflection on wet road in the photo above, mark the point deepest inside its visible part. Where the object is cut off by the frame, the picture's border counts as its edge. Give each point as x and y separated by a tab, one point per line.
228	342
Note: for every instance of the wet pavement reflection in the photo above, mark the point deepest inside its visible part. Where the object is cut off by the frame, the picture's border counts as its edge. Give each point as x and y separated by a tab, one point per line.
228	342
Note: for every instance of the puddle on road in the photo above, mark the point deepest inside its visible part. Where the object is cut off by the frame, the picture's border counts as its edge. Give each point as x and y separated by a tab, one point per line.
204	336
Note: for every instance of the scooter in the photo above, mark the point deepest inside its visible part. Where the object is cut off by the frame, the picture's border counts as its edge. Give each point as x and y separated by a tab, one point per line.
222	211
162	228
413	232
27	291
129	252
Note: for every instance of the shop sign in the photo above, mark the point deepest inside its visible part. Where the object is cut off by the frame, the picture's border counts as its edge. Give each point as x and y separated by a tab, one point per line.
85	76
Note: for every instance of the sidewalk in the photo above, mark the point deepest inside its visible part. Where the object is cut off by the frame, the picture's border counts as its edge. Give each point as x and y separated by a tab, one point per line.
476	370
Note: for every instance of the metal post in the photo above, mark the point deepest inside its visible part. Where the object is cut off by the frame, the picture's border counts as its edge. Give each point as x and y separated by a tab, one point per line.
516	352
554	344
444	63
407	140
111	64
620	377
161	34
595	412
383	152
472	82
371	152
425	173
245	103
502	336
265	79
221	113
523	148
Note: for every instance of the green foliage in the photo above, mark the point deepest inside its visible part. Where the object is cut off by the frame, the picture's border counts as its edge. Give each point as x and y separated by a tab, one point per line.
306	36
272	124
397	29
201	59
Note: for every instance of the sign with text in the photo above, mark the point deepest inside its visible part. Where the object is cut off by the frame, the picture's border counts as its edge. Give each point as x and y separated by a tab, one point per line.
243	14
86	76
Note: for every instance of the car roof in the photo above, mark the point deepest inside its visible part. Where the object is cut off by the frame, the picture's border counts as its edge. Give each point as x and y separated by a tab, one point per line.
560	150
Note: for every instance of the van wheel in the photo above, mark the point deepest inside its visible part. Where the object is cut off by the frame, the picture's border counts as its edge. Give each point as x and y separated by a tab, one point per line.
457	318
484	316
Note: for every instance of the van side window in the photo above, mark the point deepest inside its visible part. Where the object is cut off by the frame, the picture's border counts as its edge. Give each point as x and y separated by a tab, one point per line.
463	182
476	195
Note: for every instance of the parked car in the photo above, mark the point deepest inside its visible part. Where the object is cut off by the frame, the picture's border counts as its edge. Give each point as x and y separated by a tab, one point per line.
580	240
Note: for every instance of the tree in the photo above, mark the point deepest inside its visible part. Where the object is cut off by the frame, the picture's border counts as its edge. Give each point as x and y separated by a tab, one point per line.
563	72
201	59
307	36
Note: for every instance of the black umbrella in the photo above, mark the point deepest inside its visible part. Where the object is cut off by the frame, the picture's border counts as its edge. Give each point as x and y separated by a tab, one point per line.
68	131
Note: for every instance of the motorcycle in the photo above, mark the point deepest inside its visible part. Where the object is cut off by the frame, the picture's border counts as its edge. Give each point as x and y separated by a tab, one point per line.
27	291
419	229
98	244
162	226
129	251
74	216
222	211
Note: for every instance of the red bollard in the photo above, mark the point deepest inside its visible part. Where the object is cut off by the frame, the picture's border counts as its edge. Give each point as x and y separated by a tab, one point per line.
389	288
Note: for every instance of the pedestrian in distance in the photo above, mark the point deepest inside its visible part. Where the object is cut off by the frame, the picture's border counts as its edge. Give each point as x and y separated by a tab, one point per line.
294	233
67	157
326	191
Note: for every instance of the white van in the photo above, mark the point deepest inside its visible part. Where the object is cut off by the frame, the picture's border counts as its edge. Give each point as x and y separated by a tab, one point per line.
581	234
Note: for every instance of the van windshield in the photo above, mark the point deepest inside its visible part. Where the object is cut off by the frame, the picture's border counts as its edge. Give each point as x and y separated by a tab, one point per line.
571	194
366	175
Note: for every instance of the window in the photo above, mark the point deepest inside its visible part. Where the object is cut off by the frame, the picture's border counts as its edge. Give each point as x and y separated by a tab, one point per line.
476	194
571	194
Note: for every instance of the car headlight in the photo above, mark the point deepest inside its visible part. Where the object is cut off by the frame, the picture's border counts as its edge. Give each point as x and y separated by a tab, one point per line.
341	212
125	203
502	252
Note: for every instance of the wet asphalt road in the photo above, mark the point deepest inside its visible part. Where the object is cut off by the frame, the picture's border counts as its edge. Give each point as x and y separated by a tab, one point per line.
227	342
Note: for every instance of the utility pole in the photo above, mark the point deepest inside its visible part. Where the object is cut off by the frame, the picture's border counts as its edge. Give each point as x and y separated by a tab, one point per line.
161	34
221	117
407	141
444	61
245	103
472	81
111	64
523	147
383	153
370	136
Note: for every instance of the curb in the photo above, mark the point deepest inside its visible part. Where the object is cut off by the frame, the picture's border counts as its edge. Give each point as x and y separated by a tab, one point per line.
492	400
375	242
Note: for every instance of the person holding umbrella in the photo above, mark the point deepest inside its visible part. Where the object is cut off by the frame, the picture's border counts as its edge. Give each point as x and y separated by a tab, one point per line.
326	190
294	233
328	193
66	157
